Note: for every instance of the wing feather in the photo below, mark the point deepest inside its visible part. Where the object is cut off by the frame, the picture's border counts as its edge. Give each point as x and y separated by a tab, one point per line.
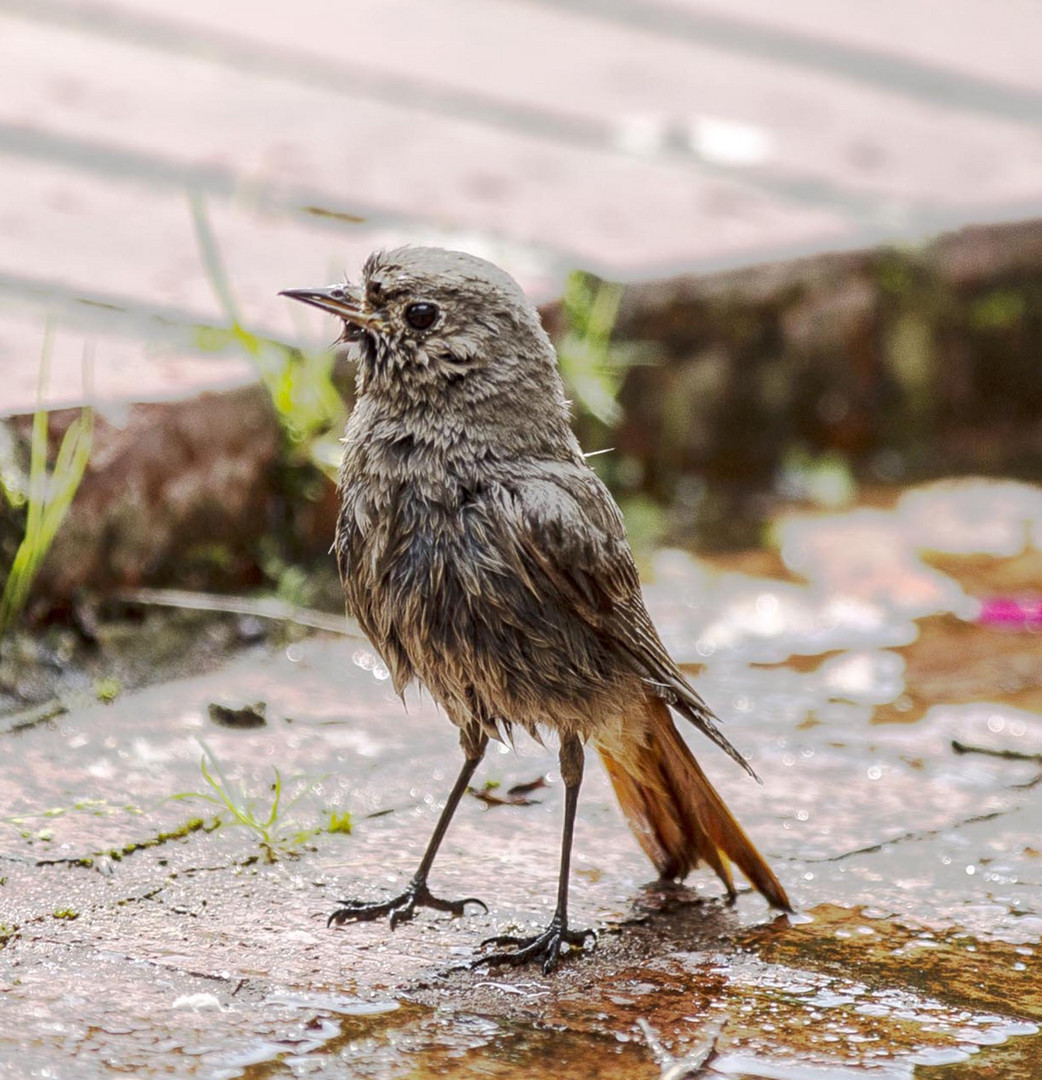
569	534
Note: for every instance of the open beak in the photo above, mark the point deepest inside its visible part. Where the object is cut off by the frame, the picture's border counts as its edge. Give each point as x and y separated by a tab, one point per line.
340	300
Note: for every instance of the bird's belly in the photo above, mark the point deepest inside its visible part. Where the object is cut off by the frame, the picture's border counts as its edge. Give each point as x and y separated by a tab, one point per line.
489	645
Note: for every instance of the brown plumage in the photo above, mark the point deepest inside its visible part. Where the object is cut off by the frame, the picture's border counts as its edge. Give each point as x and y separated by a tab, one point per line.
483	557
675	813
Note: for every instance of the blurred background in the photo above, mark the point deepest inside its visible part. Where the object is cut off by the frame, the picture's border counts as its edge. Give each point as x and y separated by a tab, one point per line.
168	168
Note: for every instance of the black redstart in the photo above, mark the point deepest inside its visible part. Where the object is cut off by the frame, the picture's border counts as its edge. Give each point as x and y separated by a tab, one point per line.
483	557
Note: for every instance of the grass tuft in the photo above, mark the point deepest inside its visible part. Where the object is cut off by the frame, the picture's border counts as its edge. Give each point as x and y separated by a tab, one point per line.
237	802
300	384
50	493
273	827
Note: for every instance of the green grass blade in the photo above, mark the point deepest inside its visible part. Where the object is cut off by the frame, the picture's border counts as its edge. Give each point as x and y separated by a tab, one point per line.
211	257
273	816
49	495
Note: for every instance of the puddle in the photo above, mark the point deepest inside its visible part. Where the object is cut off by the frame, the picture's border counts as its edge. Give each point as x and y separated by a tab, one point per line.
894	718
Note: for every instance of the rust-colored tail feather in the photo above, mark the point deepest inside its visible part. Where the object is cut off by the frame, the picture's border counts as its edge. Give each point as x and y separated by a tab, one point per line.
675	812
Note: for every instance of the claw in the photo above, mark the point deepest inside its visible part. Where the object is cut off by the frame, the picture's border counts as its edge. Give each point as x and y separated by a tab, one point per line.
503	939
545	946
405	913
401	908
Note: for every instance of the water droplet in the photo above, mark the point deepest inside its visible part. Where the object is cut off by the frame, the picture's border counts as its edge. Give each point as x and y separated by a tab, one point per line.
766	604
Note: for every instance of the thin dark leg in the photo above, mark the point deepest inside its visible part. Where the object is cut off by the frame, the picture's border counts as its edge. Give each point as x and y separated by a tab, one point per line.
458	791
402	908
571	803
547	945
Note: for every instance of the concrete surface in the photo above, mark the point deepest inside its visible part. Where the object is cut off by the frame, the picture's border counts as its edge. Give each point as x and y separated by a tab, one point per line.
136	937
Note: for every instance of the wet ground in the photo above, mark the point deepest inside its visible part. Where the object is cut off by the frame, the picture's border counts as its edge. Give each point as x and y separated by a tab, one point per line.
882	670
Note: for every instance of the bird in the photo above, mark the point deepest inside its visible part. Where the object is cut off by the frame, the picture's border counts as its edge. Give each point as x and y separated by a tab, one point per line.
484	559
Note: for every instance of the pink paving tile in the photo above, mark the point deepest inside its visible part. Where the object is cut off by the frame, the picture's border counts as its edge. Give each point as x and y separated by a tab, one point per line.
123	369
997	42
598	206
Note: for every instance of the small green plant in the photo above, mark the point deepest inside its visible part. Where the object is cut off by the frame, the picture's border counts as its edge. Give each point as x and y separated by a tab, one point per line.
588	364
300	384
273	827
48	494
238	803
107	689
339	823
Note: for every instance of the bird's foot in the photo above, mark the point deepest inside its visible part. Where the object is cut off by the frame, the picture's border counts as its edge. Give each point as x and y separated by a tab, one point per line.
401	908
545	947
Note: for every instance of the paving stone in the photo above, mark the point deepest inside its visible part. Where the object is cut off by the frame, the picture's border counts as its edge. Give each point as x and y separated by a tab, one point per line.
130	937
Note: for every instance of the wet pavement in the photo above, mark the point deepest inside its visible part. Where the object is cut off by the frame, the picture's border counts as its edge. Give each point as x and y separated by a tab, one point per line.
135	936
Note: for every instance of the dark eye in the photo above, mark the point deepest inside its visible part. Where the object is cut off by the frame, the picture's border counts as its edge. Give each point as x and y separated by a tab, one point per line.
421	316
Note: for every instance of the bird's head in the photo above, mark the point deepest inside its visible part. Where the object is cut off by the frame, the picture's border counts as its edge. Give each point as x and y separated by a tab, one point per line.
434	325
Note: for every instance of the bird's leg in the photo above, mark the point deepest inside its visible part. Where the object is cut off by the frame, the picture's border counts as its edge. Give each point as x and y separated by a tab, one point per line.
403	907
546	947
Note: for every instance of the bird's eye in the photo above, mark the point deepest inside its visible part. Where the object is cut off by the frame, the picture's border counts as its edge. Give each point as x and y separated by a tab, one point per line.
421	316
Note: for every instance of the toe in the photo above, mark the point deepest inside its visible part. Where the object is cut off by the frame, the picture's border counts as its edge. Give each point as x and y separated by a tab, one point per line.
402	914
503	939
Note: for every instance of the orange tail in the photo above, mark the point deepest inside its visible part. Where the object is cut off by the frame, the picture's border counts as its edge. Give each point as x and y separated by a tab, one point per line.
675	812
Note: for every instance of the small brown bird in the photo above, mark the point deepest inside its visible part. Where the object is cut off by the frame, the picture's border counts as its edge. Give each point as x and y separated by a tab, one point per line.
483	557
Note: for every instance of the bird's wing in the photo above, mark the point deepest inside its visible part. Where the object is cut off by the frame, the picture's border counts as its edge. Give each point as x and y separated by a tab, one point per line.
567	533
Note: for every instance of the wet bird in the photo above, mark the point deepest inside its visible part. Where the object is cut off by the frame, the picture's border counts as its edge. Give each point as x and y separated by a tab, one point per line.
484	558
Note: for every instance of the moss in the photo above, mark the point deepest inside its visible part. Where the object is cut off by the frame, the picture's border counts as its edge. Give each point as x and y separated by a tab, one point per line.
997	309
107	689
193	825
339	823
896	275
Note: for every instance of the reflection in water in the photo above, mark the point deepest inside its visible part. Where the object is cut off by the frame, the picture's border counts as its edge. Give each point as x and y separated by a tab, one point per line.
885	813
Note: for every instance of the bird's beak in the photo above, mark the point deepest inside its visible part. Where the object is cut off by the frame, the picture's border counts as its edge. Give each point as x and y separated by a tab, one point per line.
341	300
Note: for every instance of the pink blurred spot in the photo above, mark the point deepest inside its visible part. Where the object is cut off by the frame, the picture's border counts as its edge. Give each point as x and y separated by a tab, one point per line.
1014	613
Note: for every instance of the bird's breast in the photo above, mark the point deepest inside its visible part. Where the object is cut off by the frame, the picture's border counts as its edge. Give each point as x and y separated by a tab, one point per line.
435	578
